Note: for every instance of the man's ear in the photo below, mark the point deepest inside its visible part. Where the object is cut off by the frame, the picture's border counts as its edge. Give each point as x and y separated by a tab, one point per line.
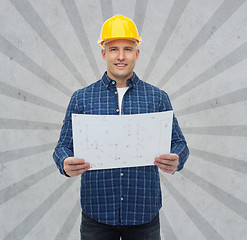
103	52
137	53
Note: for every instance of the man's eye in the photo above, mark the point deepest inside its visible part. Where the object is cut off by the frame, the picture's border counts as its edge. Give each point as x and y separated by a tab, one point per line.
129	49
113	49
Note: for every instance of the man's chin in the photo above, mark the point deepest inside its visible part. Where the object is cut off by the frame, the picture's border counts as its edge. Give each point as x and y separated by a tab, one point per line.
123	76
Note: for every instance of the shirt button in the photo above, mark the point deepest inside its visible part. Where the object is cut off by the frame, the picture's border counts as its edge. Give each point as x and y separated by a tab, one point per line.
116	92
117	110
121	198
122	174
113	82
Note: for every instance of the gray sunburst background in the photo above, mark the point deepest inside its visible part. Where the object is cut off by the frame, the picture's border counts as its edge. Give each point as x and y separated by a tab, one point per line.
195	50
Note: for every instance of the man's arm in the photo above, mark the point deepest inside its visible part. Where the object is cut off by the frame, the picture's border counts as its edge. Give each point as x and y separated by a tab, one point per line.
179	150
63	154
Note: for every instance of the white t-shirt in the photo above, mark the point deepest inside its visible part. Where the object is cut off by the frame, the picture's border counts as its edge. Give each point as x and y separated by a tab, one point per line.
121	92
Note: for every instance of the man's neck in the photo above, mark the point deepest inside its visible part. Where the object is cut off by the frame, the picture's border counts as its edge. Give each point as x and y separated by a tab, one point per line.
120	83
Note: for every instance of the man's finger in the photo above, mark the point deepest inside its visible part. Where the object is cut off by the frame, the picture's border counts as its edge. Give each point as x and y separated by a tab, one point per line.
76	173
165	168
76	167
75	161
169	156
166	161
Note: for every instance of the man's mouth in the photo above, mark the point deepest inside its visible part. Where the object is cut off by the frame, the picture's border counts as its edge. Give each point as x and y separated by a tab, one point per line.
120	64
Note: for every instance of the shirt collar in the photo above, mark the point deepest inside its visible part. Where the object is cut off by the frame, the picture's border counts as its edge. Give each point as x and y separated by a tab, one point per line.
108	82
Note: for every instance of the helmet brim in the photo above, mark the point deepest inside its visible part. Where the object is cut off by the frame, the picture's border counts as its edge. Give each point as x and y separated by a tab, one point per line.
101	42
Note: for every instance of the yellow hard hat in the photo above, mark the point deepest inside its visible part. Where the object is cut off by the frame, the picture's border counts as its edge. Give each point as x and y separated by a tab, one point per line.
119	27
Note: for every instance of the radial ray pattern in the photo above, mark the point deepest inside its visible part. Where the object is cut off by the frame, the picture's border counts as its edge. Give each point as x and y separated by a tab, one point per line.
194	50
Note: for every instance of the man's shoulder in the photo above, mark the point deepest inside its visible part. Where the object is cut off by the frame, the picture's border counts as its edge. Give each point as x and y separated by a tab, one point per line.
152	88
94	86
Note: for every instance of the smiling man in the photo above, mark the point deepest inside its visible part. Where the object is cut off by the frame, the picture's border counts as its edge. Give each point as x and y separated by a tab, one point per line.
120	56
121	202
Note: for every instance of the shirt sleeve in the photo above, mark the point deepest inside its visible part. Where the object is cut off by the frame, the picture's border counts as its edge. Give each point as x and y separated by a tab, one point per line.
64	148
178	142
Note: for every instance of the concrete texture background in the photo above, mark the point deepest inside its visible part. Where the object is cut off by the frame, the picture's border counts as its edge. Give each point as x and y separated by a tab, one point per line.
195	50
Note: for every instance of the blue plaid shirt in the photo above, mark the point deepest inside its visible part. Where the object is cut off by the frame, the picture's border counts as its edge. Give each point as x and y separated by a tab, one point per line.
122	196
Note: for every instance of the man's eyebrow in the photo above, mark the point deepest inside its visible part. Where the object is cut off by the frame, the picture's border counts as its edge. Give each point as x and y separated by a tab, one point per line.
124	47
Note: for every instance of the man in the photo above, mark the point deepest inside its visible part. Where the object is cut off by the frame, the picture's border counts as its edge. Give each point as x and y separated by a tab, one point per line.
124	201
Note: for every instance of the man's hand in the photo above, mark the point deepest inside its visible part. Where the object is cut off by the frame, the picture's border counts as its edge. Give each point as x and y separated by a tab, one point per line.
167	163
75	166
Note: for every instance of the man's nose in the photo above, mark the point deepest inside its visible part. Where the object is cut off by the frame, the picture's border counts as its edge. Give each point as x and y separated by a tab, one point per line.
121	55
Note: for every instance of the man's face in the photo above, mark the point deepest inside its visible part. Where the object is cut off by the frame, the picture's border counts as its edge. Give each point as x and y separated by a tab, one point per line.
120	56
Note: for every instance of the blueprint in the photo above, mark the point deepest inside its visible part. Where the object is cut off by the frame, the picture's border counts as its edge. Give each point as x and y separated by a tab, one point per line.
116	141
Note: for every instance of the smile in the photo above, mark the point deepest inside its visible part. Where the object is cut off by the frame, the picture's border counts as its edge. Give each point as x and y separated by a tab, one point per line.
120	64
